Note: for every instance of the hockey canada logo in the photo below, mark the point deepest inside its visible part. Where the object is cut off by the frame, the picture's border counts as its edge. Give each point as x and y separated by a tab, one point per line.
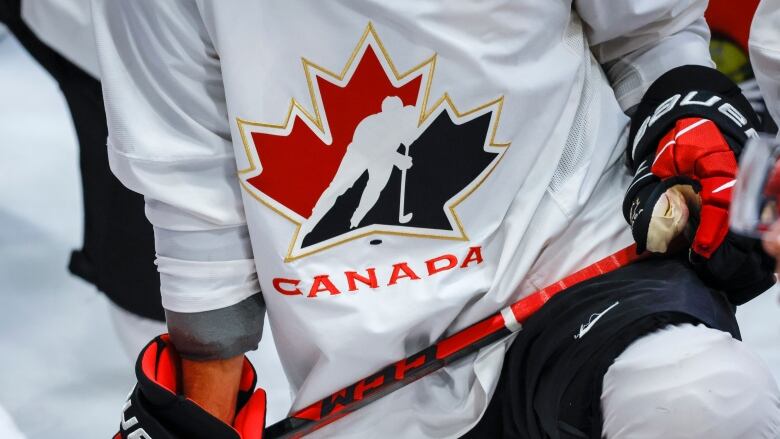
374	154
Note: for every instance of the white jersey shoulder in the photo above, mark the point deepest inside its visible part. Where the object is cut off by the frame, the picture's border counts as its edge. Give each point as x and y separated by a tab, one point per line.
765	53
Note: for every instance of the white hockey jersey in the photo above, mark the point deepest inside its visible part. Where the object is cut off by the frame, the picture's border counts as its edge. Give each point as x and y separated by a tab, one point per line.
402	168
765	53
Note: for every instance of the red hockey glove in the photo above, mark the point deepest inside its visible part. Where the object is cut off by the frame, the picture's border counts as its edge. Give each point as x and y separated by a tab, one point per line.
694	166
155	409
685	138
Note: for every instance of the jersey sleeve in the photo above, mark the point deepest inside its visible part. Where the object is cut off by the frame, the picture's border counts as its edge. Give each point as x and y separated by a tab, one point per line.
169	139
637	41
765	53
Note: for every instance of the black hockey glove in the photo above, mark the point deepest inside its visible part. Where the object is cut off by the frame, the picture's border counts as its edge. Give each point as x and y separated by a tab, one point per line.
685	138
155	409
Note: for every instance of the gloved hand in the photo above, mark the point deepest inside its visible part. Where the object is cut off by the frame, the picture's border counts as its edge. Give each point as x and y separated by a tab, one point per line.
685	138
155	409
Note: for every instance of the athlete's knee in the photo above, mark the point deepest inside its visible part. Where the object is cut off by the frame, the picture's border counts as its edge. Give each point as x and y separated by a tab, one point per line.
687	381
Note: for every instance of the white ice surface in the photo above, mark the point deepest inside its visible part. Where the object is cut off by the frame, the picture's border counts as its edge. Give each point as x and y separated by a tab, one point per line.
62	371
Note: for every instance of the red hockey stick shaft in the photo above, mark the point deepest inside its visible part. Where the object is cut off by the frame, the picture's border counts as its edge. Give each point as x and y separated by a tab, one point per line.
436	356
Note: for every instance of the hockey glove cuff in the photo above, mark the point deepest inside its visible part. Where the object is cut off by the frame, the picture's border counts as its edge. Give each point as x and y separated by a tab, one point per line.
155	409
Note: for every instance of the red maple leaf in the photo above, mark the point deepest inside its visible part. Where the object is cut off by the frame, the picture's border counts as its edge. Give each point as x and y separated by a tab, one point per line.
297	168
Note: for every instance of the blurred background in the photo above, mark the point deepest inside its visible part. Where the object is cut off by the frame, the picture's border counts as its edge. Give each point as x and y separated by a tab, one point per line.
65	369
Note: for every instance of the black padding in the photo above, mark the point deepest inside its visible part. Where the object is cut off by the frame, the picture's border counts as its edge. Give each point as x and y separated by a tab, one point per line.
739	267
551	381
707	83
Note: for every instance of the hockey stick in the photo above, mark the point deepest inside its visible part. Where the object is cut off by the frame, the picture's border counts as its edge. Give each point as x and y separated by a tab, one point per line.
483	333
403	218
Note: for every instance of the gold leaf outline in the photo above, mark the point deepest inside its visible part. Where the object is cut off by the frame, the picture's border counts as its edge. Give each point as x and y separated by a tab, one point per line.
316	120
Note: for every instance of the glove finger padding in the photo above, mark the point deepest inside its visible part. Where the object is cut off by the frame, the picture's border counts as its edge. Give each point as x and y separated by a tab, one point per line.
696	150
155	409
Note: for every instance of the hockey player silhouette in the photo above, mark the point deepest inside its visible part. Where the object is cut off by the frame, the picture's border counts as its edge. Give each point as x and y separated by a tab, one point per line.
374	149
